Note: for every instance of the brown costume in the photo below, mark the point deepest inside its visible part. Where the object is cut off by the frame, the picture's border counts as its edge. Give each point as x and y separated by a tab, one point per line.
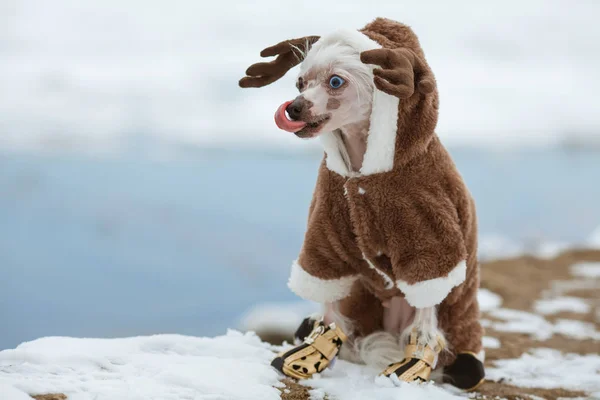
405	224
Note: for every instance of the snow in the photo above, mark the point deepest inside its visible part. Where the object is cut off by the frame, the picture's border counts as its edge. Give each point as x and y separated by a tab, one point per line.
236	365
356	382
550	250
586	269
488	300
522	321
494	246
550	369
538	327
491	342
563	303
8	392
229	367
283	318
576	329
233	366
171	73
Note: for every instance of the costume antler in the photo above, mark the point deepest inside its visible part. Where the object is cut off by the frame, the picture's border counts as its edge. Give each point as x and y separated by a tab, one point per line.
400	68
288	52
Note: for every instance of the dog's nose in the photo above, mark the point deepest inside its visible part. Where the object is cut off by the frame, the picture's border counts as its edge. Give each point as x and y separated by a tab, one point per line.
295	109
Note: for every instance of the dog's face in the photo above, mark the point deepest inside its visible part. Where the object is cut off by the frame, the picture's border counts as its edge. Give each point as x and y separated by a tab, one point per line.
336	89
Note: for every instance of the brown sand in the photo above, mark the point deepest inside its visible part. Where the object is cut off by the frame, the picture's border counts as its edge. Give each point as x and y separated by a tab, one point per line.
52	396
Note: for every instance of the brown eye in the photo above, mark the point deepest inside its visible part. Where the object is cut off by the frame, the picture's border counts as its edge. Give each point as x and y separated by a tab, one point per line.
300	84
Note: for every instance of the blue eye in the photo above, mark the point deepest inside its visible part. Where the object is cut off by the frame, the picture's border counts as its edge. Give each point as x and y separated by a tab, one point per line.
336	82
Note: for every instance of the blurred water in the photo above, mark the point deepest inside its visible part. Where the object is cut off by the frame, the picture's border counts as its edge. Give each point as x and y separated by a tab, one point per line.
112	247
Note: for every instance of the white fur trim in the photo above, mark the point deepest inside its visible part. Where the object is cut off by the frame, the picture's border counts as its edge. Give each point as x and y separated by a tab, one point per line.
433	291
310	287
361	190
381	142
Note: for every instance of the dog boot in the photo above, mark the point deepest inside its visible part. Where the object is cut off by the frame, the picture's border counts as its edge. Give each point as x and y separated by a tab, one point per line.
419	360
305	328
314	355
466	372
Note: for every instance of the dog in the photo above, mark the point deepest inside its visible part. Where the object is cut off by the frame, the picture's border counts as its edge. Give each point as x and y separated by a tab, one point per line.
391	243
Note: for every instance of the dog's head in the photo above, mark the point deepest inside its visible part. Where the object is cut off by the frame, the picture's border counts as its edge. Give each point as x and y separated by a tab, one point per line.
336	89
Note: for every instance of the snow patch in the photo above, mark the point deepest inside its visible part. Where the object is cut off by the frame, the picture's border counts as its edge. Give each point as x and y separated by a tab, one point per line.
317	394
491	342
550	369
576	329
496	247
550	250
233	366
161	366
539	328
586	269
562	287
492	247
559	304
522	321
358	382
8	392
488	300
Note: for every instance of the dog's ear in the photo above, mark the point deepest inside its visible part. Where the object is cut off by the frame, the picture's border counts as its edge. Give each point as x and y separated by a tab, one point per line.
401	70
289	54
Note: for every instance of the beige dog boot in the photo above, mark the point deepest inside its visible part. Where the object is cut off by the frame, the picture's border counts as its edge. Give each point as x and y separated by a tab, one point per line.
314	355
419	360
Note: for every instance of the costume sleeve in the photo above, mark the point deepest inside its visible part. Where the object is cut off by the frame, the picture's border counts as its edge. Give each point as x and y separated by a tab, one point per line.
320	273
432	261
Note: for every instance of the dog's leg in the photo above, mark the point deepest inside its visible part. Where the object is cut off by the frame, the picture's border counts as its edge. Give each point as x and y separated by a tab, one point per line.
425	328
423	342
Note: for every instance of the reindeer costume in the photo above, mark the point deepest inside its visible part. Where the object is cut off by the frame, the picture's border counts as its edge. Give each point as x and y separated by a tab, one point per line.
404	226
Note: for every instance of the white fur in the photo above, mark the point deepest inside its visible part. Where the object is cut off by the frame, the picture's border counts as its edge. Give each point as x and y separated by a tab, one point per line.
433	291
381	142
377	350
426	324
344	48
312	288
382	348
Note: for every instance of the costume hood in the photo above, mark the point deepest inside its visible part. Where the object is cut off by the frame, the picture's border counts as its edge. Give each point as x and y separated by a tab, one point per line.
398	130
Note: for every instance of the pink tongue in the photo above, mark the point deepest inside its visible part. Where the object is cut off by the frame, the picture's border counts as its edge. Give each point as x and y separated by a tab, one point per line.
283	122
